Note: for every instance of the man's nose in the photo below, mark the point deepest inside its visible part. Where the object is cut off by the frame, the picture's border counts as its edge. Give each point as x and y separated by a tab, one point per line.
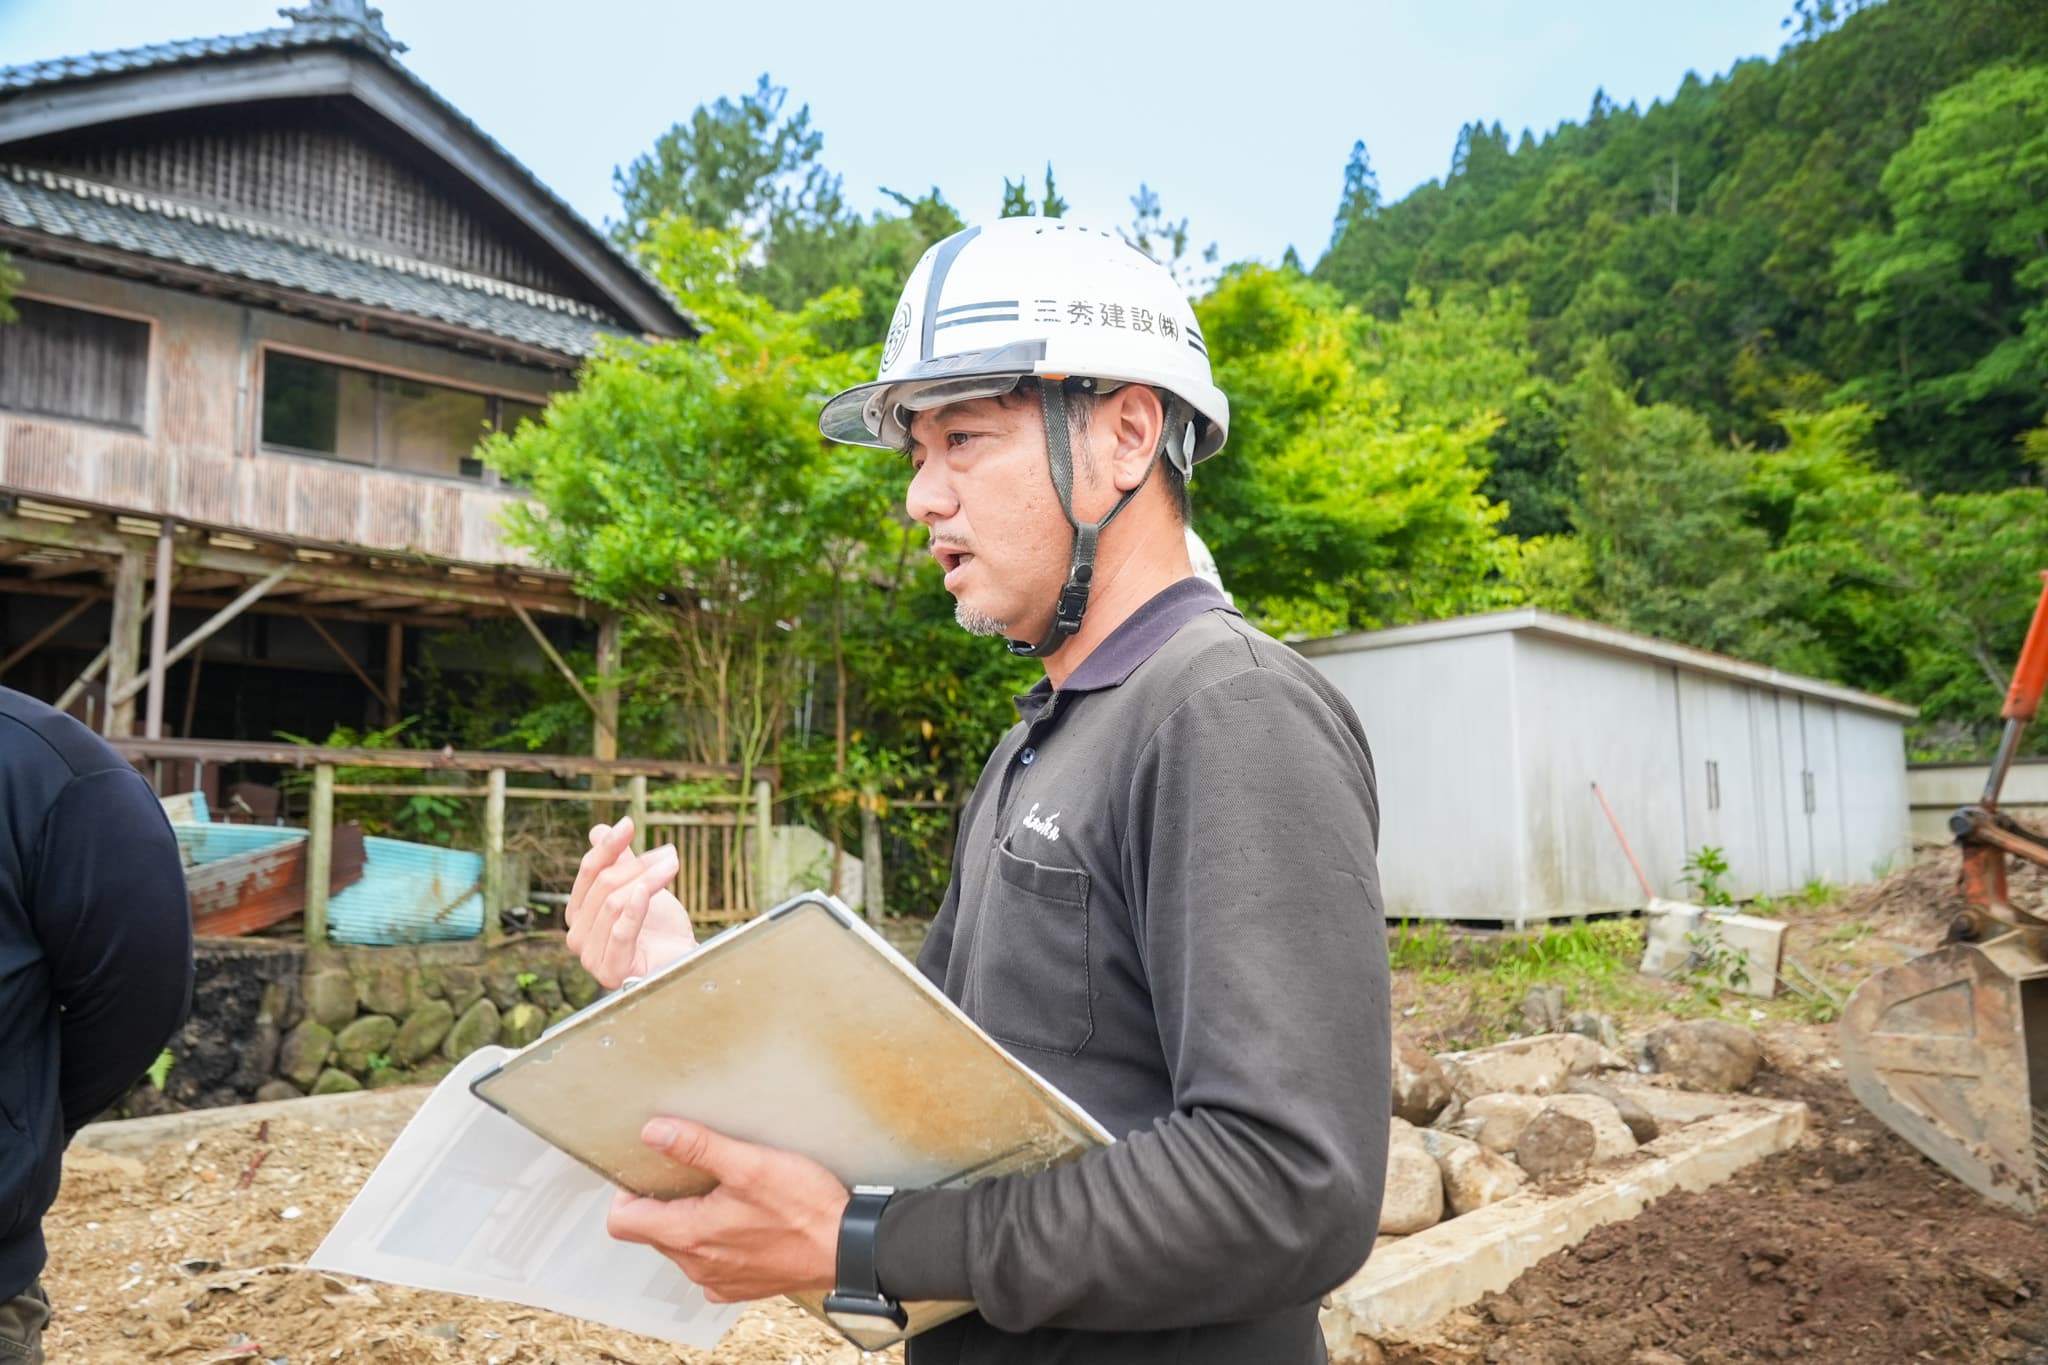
930	496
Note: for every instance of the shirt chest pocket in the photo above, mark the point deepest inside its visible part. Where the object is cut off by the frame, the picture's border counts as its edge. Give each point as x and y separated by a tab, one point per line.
1031	977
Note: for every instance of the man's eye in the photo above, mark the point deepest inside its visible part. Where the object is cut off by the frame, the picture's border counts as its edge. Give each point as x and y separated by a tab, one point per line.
956	439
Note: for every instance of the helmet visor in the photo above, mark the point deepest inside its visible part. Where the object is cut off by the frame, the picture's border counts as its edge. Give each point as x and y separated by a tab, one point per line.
878	414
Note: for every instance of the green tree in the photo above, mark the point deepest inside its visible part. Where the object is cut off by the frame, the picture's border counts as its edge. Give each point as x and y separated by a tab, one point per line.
1695	241
1335	506
10	280
1664	518
682	482
751	170
1353	262
1958	287
1018	203
1167	242
740	167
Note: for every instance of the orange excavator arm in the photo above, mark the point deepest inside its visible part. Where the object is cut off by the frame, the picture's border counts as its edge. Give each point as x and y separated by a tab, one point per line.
1950	1050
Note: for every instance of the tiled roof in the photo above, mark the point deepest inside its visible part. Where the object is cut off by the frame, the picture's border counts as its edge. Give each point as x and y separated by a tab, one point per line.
85	211
62	70
320	23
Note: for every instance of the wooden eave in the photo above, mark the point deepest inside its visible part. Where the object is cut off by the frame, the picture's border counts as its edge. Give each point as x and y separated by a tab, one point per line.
68	541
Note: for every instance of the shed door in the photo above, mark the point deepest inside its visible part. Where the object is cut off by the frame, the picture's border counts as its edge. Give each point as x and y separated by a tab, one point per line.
1721	779
1781	811
1823	791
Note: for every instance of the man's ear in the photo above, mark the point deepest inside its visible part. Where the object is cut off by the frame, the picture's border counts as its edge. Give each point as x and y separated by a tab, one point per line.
1131	419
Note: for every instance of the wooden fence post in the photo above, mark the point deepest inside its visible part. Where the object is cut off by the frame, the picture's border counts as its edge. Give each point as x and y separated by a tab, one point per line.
762	889
637	808
319	853
494	853
872	906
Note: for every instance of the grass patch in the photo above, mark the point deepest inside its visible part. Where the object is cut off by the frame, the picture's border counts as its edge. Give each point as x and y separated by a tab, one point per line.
1478	981
1812	896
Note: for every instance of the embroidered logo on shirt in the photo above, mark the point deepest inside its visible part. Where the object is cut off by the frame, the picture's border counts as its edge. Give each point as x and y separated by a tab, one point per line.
1048	826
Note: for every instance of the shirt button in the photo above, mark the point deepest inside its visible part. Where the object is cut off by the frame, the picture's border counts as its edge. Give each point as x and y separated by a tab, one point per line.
1026	757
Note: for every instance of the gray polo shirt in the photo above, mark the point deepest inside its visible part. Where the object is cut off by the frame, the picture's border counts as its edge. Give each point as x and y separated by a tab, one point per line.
1165	900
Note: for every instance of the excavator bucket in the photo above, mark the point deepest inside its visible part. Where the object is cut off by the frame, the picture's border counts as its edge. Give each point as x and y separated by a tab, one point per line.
1951	1051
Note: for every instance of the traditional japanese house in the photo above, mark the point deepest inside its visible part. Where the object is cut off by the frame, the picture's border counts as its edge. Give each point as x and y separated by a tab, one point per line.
273	291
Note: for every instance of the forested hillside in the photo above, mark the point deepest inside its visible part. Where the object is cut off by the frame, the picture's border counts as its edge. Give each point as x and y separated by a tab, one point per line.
1863	219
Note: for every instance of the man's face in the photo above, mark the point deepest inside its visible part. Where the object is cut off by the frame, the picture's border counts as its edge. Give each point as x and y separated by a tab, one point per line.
980	484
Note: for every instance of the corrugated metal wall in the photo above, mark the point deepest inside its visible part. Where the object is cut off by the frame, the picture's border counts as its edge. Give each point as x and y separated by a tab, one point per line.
1488	745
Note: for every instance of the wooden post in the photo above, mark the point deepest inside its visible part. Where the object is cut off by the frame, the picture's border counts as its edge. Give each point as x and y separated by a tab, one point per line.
605	740
637	790
871	904
494	854
394	670
761	886
159	634
125	692
319	853
124	641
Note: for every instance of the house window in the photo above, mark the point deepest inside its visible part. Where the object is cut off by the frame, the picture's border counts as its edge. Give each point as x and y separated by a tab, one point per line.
67	362
384	420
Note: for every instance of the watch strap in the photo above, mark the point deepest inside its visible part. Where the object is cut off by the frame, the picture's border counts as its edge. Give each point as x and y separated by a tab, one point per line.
855	1273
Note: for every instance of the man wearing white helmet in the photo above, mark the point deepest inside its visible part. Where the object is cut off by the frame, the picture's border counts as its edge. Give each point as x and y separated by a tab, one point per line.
1164	898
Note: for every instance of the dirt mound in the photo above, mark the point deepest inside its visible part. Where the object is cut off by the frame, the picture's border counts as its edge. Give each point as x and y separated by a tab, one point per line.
1920	899
1849	1248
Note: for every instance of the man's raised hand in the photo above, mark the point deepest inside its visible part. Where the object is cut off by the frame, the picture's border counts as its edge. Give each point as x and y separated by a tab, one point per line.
623	920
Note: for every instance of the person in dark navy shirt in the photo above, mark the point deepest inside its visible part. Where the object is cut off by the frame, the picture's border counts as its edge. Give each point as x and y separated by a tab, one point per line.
95	968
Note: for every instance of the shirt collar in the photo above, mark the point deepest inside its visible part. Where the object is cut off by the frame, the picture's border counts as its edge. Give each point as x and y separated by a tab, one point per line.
1136	640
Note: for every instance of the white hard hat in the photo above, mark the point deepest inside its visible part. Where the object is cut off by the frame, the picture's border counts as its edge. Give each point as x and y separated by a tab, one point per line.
1022	297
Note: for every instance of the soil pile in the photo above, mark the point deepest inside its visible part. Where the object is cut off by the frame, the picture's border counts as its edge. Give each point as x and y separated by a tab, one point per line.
1850	1248
1915	904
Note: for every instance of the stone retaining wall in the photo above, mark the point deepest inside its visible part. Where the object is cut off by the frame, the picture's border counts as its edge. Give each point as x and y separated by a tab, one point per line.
272	1020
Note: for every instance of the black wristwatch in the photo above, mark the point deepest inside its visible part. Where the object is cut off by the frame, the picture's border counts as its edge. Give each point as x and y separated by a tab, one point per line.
857	1302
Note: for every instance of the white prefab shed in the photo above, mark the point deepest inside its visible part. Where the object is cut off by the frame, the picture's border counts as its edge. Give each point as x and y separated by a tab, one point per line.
1489	733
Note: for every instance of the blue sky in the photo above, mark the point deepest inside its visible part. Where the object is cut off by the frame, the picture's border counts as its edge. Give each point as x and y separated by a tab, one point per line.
1240	116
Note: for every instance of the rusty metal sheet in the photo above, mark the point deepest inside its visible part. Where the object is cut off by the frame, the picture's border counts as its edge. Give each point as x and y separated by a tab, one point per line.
254	890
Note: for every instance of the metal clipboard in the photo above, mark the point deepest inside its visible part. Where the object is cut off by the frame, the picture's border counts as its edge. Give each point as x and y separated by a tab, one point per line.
800	1029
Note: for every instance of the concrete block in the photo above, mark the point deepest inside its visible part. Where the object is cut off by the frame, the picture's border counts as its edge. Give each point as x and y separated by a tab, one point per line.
1762	945
1411	1283
800	859
1674	927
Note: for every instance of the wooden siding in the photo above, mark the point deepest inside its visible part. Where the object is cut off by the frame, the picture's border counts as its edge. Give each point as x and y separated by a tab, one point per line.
68	362
300	169
269	495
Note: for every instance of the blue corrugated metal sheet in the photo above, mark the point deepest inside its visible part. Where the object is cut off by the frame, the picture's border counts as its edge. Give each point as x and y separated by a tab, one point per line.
209	843
410	893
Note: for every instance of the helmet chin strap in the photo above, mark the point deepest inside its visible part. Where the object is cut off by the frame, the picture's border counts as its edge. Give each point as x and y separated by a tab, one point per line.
1059	452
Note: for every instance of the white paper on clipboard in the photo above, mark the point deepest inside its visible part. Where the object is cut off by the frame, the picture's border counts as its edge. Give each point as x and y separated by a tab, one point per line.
468	1202
804	1030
